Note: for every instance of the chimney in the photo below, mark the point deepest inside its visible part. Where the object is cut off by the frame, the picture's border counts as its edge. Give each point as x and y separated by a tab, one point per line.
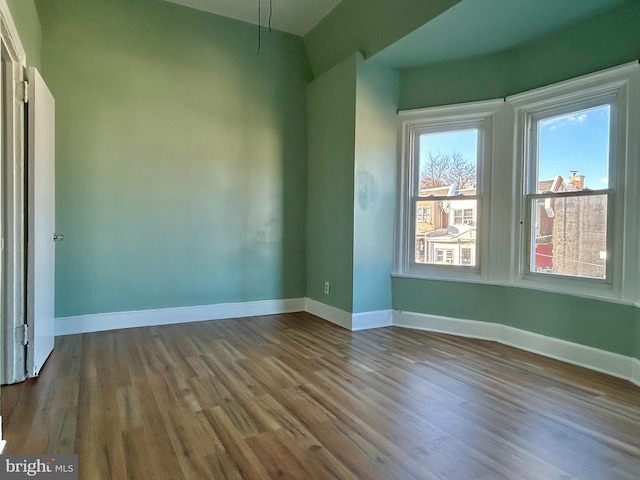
576	180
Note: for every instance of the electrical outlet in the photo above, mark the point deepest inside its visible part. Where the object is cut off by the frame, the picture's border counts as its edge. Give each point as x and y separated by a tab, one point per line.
326	288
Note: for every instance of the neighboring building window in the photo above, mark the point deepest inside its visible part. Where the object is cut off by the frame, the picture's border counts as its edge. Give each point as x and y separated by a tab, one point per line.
446	153
568	190
464	217
444	255
466	255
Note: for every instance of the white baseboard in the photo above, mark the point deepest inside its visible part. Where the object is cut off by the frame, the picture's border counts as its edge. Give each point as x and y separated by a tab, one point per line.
635	371
328	313
595	359
164	316
589	357
350	321
145	318
367	320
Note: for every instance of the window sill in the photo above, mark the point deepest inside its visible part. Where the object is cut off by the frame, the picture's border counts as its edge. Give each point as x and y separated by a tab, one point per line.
456	277
444	272
604	294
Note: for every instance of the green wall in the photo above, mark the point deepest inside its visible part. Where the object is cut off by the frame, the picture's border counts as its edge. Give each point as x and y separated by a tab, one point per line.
599	324
25	17
601	42
457	82
181	157
332	115
351	185
366	26
636	336
604	41
375	186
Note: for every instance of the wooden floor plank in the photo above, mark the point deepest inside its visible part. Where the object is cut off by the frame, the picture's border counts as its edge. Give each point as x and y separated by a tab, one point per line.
293	397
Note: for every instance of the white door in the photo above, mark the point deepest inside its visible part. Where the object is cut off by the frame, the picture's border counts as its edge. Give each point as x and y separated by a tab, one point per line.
41	223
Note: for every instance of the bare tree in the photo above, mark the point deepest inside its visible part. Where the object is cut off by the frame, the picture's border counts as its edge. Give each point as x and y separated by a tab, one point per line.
443	169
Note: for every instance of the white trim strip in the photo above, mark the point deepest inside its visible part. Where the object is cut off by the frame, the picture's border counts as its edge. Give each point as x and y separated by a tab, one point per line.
145	318
350	321
165	316
592	358
602	295
635	371
9	26
329	313
368	320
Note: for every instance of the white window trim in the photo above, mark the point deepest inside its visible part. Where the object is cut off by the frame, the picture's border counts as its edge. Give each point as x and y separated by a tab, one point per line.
501	241
481	113
621	83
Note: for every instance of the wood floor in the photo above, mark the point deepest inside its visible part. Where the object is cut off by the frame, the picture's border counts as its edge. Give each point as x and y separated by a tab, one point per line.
294	397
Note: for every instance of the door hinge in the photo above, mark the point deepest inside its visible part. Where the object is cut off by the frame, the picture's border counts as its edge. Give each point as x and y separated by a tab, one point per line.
24	85
22	334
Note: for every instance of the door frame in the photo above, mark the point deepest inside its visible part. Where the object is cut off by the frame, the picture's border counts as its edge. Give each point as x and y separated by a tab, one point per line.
13	291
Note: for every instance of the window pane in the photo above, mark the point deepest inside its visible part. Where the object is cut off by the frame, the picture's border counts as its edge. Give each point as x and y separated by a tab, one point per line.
573	151
449	237
569	236
448	163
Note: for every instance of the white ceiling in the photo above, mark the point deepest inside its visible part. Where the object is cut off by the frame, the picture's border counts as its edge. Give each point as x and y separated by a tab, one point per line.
293	16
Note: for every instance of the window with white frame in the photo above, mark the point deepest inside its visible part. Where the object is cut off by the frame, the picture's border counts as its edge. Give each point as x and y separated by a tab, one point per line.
444	170
568	195
553	201
574	161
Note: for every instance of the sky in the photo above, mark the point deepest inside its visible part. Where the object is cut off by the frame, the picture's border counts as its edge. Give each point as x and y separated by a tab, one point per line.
461	141
578	141
572	142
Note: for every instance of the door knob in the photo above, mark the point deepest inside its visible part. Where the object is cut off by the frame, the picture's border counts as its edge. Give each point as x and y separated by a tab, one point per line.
58	237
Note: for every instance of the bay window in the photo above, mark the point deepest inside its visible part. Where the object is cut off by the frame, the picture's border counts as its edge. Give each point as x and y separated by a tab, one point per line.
538	189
